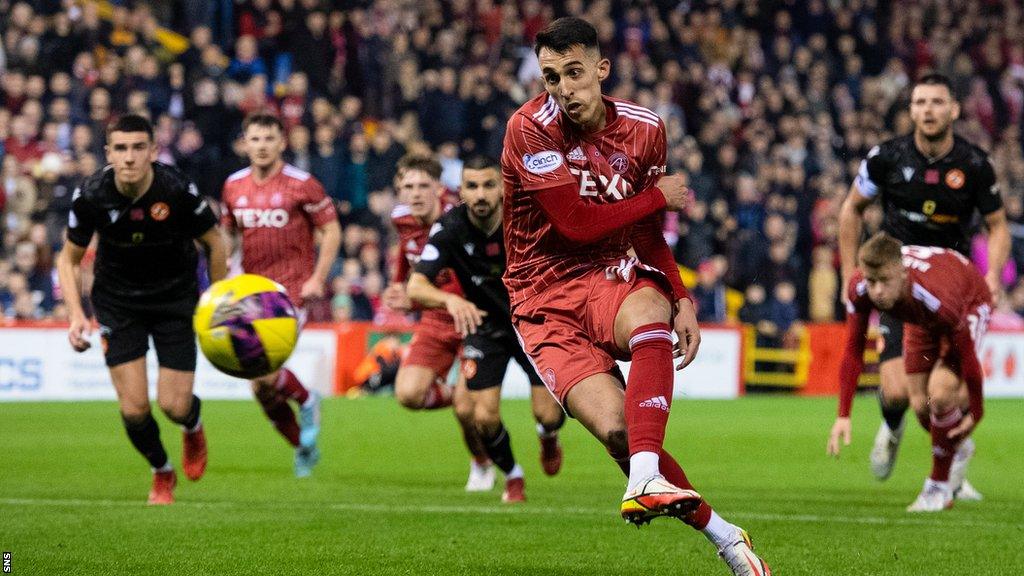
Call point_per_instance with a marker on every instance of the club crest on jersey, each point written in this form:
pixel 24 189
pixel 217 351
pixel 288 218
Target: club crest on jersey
pixel 242 202
pixel 275 200
pixel 955 179
pixel 542 162
pixel 577 155
pixel 619 162
pixel 159 211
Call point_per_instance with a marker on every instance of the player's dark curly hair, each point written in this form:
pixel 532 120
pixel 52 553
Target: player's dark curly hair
pixel 564 33
pixel 880 250
pixel 131 123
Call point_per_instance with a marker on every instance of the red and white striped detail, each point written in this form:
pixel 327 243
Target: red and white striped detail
pixel 948 419
pixel 638 113
pixel 650 335
pixel 548 112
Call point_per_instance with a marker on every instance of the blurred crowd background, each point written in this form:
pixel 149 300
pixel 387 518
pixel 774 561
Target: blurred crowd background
pixel 770 107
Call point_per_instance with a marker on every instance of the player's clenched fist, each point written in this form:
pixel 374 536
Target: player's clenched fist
pixel 677 195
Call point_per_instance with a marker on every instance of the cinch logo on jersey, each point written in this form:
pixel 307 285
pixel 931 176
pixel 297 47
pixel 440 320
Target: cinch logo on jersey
pixel 261 217
pixel 615 187
pixel 542 162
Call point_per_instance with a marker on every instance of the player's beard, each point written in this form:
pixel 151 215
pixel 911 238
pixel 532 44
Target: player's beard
pixel 483 210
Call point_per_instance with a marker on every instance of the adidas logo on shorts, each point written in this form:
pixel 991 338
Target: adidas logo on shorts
pixel 656 402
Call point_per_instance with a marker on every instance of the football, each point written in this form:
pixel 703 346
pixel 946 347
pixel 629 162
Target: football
pixel 246 325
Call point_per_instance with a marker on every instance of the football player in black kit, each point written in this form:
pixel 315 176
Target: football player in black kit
pixel 468 239
pixel 147 217
pixel 930 184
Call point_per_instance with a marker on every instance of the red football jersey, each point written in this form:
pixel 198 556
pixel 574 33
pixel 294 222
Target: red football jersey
pixel 412 237
pixel 277 219
pixel 543 150
pixel 944 294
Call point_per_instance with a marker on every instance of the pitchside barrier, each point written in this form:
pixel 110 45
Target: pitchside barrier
pixel 37 363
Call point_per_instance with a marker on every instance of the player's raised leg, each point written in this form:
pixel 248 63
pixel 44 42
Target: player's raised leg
pixel 597 402
pixel 129 380
pixel 273 392
pixel 641 326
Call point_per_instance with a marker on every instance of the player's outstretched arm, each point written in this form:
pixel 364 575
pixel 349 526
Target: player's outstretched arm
pixel 466 315
pixel 68 266
pixel 849 371
pixel 216 252
pixel 330 242
pixel 842 429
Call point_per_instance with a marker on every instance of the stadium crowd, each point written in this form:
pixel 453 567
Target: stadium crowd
pixel 769 108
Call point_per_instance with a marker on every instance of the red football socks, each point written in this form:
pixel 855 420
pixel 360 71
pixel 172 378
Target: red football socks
pixel 649 387
pixel 281 414
pixel 290 386
pixel 943 448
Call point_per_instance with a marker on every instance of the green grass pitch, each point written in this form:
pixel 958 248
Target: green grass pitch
pixel 387 497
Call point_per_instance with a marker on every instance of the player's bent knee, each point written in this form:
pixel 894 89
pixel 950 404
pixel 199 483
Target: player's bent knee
pixel 134 413
pixel 175 408
pixel 617 443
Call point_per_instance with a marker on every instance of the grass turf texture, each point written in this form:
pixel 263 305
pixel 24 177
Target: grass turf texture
pixel 387 497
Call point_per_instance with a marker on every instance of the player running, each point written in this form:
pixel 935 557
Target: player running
pixel 583 184
pixel 147 216
pixel 944 305
pixel 421 380
pixel 930 184
pixel 278 211
pixel 468 240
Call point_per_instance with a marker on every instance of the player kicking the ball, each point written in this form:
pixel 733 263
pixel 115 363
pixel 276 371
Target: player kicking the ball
pixel 468 239
pixel 945 305
pixel 583 184
pixel 147 216
pixel 278 211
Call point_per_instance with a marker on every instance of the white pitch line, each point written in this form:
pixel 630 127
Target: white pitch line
pixel 509 510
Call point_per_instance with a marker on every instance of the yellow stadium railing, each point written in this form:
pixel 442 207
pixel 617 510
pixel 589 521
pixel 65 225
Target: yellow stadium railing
pixel 788 367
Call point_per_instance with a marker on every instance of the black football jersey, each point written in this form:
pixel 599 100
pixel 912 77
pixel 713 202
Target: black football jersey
pixel 930 203
pixel 477 259
pixel 146 246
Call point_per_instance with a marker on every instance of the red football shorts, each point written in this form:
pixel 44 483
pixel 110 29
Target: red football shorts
pixel 923 349
pixel 568 330
pixel 435 343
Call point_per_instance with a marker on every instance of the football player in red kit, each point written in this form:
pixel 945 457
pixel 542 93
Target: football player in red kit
pixel 945 304
pixel 583 176
pixel 421 380
pixel 277 211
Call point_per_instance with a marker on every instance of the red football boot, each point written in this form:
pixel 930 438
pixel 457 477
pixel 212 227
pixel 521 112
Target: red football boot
pixel 193 458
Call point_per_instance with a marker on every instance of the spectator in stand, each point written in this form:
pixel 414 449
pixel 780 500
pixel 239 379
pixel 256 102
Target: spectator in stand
pixel 709 294
pixel 823 285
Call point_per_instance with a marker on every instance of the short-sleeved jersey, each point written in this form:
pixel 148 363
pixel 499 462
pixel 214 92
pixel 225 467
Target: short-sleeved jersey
pixel 477 258
pixel 277 220
pixel 930 203
pixel 544 150
pixel 146 246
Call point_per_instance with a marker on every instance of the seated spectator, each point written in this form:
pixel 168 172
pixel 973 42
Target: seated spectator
pixel 823 286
